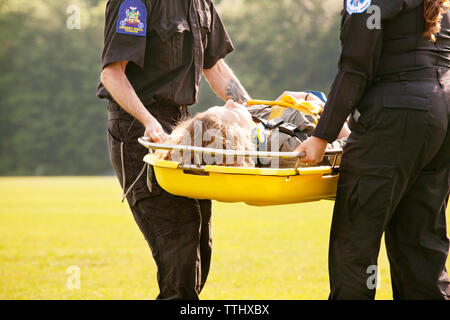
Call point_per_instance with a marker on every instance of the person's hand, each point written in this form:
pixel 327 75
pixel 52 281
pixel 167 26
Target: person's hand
pixel 155 132
pixel 314 148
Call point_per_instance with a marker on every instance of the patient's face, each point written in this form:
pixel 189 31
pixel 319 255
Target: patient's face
pixel 234 113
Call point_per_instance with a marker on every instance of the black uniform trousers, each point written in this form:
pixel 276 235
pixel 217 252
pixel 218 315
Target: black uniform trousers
pixel 395 179
pixel 177 229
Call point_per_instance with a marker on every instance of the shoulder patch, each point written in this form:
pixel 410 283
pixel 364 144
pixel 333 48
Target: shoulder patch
pixel 358 6
pixel 132 18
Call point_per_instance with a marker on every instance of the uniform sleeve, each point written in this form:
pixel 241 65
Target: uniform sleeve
pixel 219 42
pixel 361 51
pixel 120 44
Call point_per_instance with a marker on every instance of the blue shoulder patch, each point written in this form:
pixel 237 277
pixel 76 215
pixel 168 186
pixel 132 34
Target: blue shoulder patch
pixel 132 18
pixel 358 6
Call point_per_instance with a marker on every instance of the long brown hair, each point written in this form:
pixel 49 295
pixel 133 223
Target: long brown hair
pixel 434 10
pixel 223 135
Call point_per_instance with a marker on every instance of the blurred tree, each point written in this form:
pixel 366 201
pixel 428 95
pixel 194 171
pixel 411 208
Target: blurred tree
pixel 280 45
pixel 51 123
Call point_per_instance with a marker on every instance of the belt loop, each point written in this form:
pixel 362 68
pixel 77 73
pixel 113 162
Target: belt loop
pixel 439 77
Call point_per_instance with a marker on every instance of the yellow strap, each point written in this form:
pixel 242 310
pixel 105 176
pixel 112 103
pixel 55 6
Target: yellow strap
pixel 276 112
pixel 288 101
pixel 314 109
pixel 301 106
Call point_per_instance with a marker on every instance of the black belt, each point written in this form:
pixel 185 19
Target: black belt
pixel 115 112
pixel 435 74
pixel 114 115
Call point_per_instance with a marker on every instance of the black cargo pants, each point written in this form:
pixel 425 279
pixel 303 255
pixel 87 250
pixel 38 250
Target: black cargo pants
pixel 177 229
pixel 395 178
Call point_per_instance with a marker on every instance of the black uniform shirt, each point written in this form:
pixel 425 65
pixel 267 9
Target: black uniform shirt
pixel 367 53
pixel 168 45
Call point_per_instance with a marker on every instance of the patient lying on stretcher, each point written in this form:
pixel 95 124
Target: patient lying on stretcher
pixel 281 127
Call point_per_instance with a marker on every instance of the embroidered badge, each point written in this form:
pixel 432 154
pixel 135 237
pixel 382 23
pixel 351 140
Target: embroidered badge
pixel 358 6
pixel 132 18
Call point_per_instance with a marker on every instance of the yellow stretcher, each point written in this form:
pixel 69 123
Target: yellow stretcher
pixel 254 186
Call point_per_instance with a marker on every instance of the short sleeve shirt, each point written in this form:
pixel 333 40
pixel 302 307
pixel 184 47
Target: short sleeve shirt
pixel 168 43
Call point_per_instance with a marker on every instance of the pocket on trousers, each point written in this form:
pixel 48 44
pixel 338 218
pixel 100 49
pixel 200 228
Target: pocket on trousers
pixel 366 190
pixel 406 102
pixel 408 115
pixel 368 109
pixel 357 126
pixel 152 184
pixel 114 155
pixel 123 145
pixel 396 117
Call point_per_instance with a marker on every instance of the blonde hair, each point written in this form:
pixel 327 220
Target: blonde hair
pixel 219 135
pixel 434 10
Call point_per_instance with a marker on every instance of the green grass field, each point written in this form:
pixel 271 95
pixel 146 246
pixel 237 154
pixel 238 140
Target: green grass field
pixel 50 224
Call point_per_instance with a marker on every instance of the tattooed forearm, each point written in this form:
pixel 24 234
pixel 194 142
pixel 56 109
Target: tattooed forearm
pixel 236 92
pixel 225 84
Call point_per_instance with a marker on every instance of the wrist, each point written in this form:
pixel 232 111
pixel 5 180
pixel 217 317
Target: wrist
pixel 149 121
pixel 320 141
pixel 320 134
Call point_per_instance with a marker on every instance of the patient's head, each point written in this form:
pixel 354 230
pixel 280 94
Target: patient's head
pixel 233 113
pixel 226 128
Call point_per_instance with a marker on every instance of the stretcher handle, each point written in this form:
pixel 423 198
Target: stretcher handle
pixel 239 153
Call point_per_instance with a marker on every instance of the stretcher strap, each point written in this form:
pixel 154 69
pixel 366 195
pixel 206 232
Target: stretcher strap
pixel 301 106
pixel 288 102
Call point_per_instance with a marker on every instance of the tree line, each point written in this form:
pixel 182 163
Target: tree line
pixel 51 122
